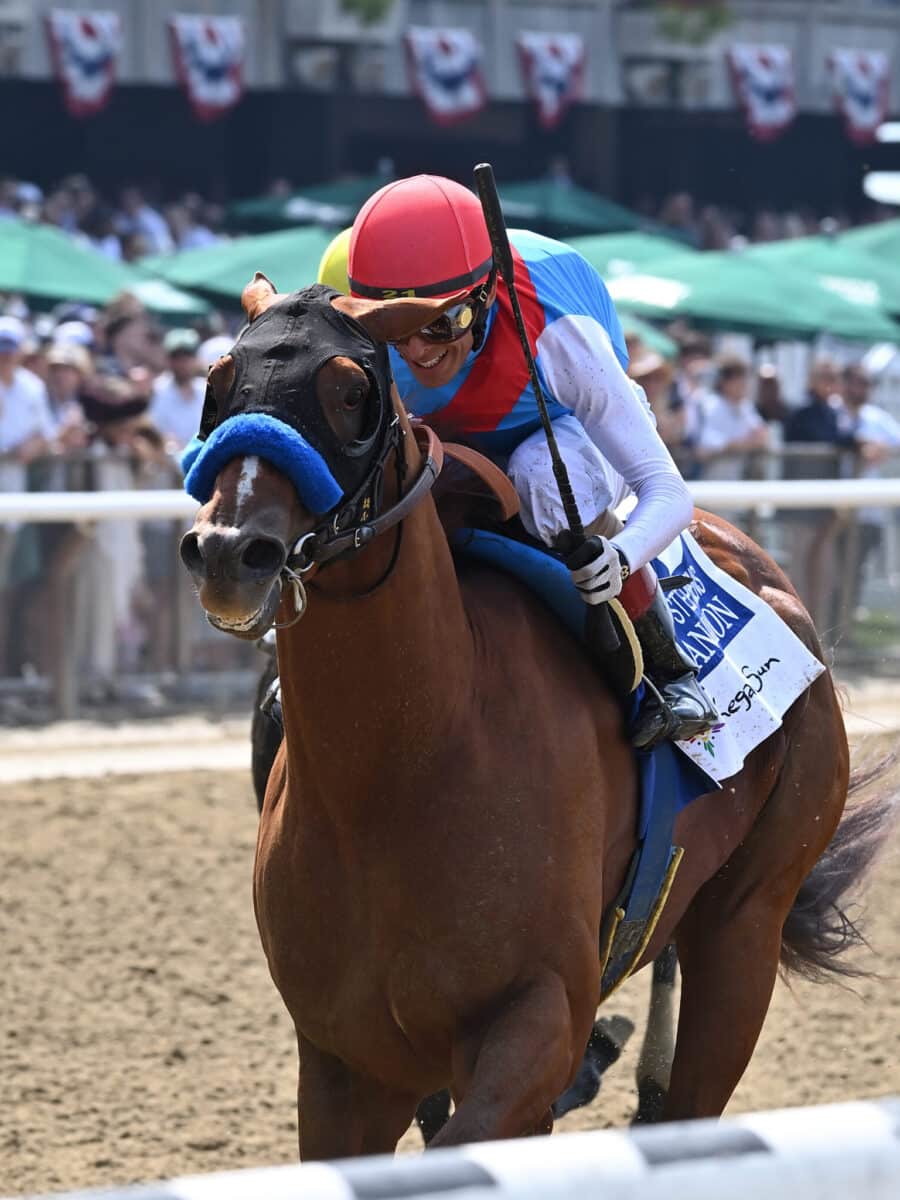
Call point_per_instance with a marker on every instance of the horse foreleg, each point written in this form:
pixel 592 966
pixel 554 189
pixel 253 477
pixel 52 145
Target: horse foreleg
pixel 654 1067
pixel 341 1113
pixel 506 1077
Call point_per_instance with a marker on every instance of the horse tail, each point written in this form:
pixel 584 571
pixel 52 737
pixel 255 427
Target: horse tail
pixel 818 930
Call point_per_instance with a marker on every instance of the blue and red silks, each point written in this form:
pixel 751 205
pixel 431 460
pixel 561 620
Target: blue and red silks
pixel 490 403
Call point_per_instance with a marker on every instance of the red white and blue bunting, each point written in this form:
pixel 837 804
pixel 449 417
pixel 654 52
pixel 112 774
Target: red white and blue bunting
pixel 763 80
pixel 445 72
pixel 862 84
pixel 553 71
pixel 84 47
pixel 209 61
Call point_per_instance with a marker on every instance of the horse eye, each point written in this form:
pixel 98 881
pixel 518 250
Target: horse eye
pixel 355 397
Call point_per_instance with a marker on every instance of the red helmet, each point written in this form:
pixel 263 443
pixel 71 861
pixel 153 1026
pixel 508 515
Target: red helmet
pixel 423 236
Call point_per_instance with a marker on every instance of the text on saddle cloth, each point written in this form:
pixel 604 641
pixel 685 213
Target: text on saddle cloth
pixel 751 664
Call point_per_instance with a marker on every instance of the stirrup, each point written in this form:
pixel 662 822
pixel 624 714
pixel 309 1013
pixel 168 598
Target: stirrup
pixel 659 718
pixel 654 722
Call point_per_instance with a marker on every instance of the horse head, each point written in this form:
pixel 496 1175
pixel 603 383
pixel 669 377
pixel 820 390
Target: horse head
pixel 300 424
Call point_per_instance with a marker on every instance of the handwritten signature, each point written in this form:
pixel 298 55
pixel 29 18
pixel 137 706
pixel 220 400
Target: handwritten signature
pixel 743 699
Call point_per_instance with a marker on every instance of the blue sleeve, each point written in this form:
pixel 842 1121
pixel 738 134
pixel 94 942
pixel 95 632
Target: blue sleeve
pixel 567 285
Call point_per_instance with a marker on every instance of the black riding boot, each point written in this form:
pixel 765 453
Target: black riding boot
pixel 682 708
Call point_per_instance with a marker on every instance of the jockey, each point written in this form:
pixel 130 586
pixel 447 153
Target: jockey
pixel 465 375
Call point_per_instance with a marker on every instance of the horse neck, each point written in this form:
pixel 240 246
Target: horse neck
pixel 364 676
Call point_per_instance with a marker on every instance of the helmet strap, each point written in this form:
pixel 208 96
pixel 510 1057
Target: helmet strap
pixel 480 325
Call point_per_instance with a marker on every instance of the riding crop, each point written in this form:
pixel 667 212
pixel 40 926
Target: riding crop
pixel 493 216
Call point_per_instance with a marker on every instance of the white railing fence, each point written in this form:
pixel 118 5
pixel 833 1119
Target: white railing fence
pixel 170 504
pixel 88 512
pixel 834 1152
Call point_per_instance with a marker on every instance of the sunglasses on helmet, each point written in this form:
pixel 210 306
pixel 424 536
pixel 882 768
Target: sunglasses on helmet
pixel 457 321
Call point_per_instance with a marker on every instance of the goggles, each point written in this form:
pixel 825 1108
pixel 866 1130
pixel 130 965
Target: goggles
pixel 457 321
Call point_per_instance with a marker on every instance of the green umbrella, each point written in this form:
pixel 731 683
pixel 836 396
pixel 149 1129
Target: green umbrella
pixel 332 204
pixel 738 291
pixel 163 298
pixel 290 258
pixel 544 205
pixel 624 253
pixel 841 268
pixel 881 239
pixel 47 265
pixel 562 210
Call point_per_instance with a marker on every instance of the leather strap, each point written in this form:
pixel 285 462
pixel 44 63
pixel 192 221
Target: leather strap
pixel 496 481
pixel 326 543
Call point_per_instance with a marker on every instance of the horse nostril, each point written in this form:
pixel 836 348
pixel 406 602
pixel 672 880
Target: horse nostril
pixel 191 554
pixel 263 556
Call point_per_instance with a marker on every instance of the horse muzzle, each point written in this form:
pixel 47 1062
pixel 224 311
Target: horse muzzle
pixel 237 575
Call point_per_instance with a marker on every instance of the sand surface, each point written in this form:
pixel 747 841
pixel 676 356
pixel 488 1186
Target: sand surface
pixel 141 1036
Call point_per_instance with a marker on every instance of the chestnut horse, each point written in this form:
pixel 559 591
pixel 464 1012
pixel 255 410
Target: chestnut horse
pixel 453 804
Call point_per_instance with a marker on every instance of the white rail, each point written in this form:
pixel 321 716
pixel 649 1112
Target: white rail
pixel 835 1152
pixel 51 507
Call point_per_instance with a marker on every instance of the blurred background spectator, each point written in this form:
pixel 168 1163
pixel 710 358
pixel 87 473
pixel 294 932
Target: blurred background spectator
pixel 876 435
pixel 731 431
pixel 177 398
pixel 654 374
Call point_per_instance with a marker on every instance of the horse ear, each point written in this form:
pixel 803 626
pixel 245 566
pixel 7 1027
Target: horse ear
pixel 256 297
pixel 221 376
pixel 394 320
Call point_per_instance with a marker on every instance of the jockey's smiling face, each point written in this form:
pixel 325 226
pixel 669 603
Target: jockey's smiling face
pixel 435 362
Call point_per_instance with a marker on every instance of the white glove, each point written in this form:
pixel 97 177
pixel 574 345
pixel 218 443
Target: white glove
pixel 599 578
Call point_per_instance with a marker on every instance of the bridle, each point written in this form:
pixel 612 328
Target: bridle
pixel 277 358
pixel 352 526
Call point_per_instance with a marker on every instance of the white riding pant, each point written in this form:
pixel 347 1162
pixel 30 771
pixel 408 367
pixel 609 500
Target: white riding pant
pixel 595 484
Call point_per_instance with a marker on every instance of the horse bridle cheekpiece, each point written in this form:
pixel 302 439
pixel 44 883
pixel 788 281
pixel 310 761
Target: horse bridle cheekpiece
pixel 271 410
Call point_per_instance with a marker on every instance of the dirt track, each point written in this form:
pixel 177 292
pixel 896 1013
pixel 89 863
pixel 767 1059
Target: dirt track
pixel 142 1037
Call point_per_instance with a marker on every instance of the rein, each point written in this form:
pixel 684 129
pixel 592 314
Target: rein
pixel 333 539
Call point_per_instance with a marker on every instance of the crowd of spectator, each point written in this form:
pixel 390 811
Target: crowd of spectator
pixel 94 400
pixel 103 399
pixel 722 227
pixel 133 224
pixel 128 227
pixel 724 418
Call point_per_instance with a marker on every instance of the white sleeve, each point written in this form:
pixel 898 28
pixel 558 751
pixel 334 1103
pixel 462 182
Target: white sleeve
pixel 583 374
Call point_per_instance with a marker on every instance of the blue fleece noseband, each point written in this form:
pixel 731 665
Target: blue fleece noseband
pixel 271 439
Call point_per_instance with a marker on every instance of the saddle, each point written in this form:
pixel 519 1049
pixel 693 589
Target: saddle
pixel 471 486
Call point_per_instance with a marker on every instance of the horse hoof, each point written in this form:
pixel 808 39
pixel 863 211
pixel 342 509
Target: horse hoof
pixel 614 1031
pixel 581 1092
pixel 651 1101
pixel 605 1044
pixel 433 1114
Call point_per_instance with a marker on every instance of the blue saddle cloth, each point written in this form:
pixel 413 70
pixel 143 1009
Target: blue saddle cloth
pixel 667 779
